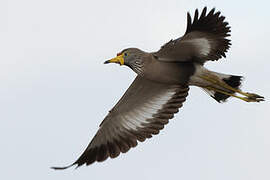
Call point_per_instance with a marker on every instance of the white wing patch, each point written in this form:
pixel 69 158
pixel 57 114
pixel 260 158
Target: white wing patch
pixel 202 44
pixel 136 117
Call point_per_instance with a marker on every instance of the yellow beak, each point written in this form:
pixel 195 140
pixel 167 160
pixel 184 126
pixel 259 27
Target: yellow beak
pixel 118 59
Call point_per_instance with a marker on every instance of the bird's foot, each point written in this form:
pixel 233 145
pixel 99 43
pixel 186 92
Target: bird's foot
pixel 252 97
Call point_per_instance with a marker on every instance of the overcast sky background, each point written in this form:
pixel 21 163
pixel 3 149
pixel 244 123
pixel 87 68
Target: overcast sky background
pixel 55 90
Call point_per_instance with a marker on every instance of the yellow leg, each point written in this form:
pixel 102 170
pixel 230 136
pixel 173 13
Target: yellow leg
pixel 249 97
pixel 233 95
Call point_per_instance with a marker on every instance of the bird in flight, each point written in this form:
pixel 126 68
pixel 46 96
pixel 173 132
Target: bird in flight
pixel 162 84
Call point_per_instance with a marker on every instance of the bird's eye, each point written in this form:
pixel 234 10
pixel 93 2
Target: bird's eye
pixel 125 54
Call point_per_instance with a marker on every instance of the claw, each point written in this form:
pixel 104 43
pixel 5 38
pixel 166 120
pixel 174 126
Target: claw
pixel 255 97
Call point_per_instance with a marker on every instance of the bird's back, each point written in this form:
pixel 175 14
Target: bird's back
pixel 168 72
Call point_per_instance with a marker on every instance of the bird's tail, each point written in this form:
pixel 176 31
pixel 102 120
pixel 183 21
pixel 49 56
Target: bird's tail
pixel 222 86
pixel 230 80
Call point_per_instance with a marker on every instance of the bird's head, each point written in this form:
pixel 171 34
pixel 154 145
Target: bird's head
pixel 131 57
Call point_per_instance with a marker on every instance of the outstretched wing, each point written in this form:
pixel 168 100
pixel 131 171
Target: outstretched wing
pixel 205 39
pixel 142 112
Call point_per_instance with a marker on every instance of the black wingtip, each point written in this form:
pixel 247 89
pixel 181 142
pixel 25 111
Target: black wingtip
pixel 189 21
pixel 211 12
pixel 196 16
pixel 62 168
pixel 203 12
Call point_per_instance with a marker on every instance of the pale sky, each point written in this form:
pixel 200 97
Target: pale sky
pixel 55 90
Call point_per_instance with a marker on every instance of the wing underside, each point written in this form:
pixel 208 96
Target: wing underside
pixel 142 112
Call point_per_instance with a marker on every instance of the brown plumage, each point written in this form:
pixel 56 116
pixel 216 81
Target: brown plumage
pixel 162 85
pixel 209 26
